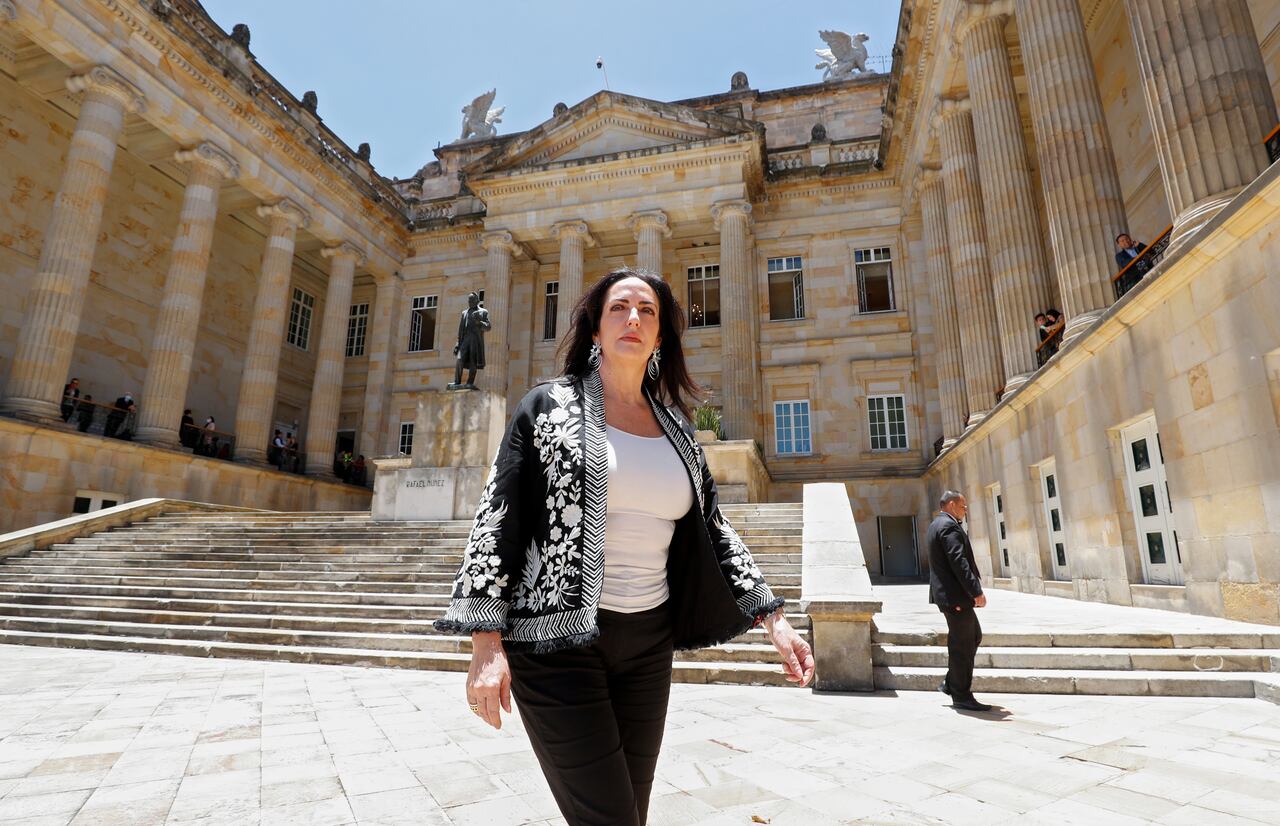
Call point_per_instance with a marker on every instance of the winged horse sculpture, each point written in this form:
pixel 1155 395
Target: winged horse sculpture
pixel 846 54
pixel 477 120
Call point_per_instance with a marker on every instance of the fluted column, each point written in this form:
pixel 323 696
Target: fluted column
pixel 326 386
pixel 500 247
pixel 173 341
pixel 373 423
pixel 8 11
pixel 256 406
pixel 56 298
pixel 933 209
pixel 739 377
pixel 649 228
pixel 574 236
pixel 1209 100
pixel 1019 268
pixel 970 263
pixel 1082 193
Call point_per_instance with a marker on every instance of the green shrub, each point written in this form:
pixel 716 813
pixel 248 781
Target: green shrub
pixel 707 417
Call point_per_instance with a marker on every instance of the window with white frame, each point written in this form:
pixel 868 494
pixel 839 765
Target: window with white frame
pixel 301 309
pixel 875 279
pixel 704 296
pixel 422 323
pixel 550 308
pixel 887 422
pixel 357 325
pixel 406 438
pixel 786 288
pixel 791 428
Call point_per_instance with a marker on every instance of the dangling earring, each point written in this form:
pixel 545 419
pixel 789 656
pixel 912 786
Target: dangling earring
pixel 652 369
pixel 593 358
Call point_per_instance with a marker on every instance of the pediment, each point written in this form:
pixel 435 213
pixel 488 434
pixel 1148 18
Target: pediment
pixel 607 125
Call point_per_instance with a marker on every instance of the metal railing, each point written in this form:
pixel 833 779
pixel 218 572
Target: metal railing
pixel 1048 348
pixel 1138 268
pixel 99 419
pixel 1272 142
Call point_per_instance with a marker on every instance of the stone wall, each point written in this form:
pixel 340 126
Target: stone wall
pixel 44 467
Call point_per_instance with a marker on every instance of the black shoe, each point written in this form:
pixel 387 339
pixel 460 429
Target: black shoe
pixel 944 688
pixel 970 704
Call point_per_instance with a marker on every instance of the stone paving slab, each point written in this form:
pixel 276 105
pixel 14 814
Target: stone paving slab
pixel 110 738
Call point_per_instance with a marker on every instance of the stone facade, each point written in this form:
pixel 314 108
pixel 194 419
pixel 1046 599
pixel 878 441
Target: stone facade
pixel 860 260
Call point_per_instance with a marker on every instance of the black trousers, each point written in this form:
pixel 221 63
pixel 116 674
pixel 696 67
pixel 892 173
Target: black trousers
pixel 963 636
pixel 595 716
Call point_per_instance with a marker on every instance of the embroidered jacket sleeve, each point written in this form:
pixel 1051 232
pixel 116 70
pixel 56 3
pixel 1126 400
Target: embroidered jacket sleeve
pixel 750 591
pixel 491 565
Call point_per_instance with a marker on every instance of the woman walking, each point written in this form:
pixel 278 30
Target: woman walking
pixel 598 548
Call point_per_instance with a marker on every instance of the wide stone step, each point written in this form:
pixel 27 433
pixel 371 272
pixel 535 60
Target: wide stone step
pixel 1093 659
pixel 1088 639
pixel 204 542
pixel 63 600
pixel 129 556
pixel 263 595
pixel 197 569
pixel 228 583
pixel 1034 681
pixel 251 562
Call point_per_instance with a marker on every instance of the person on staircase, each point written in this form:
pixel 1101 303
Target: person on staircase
pixel 955 587
pixel 598 548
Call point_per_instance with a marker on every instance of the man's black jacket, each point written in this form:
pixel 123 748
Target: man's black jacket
pixel 953 573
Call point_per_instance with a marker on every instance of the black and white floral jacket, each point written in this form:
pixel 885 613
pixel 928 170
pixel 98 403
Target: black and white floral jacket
pixel 534 564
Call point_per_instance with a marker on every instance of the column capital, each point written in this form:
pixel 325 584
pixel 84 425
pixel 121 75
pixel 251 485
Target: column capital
pixel 499 239
pixel 974 12
pixel 952 105
pixel 649 218
pixel 724 209
pixel 577 227
pixel 285 209
pixel 930 174
pixel 212 155
pixel 107 81
pixel 8 11
pixel 346 249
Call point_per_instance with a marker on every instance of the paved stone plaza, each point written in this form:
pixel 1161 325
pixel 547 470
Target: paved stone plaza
pixel 118 738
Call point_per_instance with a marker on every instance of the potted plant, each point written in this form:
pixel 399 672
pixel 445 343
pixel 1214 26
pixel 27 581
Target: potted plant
pixel 706 423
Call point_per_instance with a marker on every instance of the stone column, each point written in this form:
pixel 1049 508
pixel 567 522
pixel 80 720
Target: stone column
pixel 574 236
pixel 373 426
pixel 739 377
pixel 326 386
pixel 1018 264
pixel 1077 167
pixel 970 263
pixel 56 299
pixel 174 339
pixel 933 209
pixel 649 228
pixel 500 247
pixel 256 406
pixel 1208 98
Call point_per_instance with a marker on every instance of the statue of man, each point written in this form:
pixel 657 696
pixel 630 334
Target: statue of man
pixel 470 347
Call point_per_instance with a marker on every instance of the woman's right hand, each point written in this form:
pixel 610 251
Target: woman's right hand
pixel 489 679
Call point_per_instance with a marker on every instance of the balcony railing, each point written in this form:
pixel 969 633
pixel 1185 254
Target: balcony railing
pixel 1272 143
pixel 1136 269
pixel 109 421
pixel 1049 347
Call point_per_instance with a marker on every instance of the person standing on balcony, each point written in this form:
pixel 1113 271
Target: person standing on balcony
pixel 598 548
pixel 1127 250
pixel 70 398
pixel 955 587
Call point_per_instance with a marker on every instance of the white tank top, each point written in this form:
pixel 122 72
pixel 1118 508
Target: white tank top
pixel 649 490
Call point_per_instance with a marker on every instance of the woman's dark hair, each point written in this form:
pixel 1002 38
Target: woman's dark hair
pixel 674 385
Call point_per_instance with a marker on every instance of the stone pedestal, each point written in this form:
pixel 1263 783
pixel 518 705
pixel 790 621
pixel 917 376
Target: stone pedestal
pixel 455 437
pixel 738 469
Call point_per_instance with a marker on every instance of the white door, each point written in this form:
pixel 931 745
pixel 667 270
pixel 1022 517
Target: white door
pixel 1152 510
pixel 999 535
pixel 1053 519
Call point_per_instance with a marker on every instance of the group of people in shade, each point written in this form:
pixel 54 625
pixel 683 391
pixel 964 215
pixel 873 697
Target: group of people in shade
pixel 121 422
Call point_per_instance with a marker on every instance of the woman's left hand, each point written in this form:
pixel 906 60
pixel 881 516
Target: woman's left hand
pixel 797 656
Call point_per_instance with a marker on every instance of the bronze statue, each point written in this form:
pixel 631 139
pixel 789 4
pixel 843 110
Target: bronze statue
pixel 470 347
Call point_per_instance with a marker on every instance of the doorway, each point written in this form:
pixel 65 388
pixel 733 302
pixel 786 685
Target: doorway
pixel 1152 507
pixel 898 546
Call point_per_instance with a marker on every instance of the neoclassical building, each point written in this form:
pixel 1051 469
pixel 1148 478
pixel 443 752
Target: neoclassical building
pixel 861 260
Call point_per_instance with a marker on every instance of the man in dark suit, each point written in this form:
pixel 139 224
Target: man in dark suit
pixel 1127 250
pixel 955 587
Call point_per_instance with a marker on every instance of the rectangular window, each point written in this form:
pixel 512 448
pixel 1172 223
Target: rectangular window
pixel 786 288
pixel 422 323
pixel 357 324
pixel 550 308
pixel 704 296
pixel 300 312
pixel 887 422
pixel 791 428
pixel 875 280
pixel 406 438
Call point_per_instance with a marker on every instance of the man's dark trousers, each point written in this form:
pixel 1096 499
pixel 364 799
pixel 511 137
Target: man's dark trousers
pixel 964 634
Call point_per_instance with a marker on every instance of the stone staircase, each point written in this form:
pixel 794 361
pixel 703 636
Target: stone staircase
pixel 312 587
pixel 1225 664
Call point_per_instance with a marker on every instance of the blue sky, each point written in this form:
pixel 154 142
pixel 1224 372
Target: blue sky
pixel 396 73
